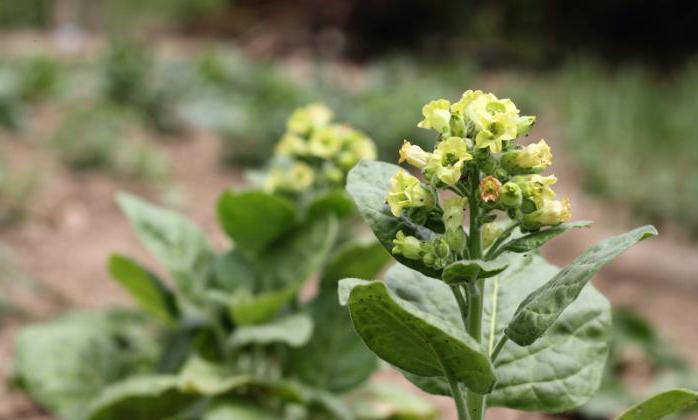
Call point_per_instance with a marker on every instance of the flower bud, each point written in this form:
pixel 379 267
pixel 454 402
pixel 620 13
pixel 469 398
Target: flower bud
pixel 490 189
pixel 511 195
pixel 291 145
pixel 454 208
pixel 414 155
pixel 524 124
pixel 553 212
pixel 296 179
pixel 437 116
pixel 490 233
pixel 456 239
pixel 408 246
pixel 406 192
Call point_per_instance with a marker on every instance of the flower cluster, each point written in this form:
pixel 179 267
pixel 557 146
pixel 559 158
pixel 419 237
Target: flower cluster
pixel 477 159
pixel 315 152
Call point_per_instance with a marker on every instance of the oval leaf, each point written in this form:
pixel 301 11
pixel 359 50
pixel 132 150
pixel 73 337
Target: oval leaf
pixel 466 271
pixel 417 341
pixel 660 405
pixel 368 183
pixel 541 308
pixel 145 288
pixel 293 330
pixel 255 219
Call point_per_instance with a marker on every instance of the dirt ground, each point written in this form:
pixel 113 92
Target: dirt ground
pixel 74 225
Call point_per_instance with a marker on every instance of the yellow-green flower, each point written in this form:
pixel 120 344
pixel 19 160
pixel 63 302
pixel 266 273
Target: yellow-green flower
pixel 552 212
pixel 495 121
pixel 325 143
pixel 535 156
pixel 536 188
pixel 310 117
pixel 466 99
pixel 408 246
pixel 454 209
pixel 446 163
pixel 407 192
pixel 437 116
pixel 291 145
pixel 524 124
pixel 355 146
pixel 414 155
pixel 296 179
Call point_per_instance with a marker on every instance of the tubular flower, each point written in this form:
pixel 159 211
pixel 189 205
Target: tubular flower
pixel 494 119
pixel 437 116
pixel 408 246
pixel 355 146
pixel 490 188
pixel 466 99
pixel 446 163
pixel 454 209
pixel 414 155
pixel 295 179
pixel 553 212
pixel 536 156
pixel 524 125
pixel 291 145
pixel 308 118
pixel 325 143
pixel 406 192
pixel 536 188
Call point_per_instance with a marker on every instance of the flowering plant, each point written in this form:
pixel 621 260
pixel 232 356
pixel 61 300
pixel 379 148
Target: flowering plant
pixel 475 312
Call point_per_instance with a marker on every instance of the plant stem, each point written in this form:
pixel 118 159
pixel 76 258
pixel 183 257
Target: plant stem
pixel 476 402
pixel 498 348
pixel 462 304
pixel 458 398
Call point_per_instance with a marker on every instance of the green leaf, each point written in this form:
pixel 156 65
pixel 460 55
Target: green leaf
pixel 383 401
pixel 354 259
pixel 145 288
pixel 335 202
pixel 246 308
pixel 293 330
pixel 335 358
pixel 541 308
pixel 237 410
pixel 201 377
pixel 661 405
pixel 368 184
pixel 563 369
pixel 535 240
pixel 174 240
pixel 63 364
pixel 417 341
pixel 144 397
pixel 465 271
pixel 255 219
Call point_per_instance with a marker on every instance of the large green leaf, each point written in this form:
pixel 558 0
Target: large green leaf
pixel 174 240
pixel 145 288
pixel 335 358
pixel 559 372
pixel 144 397
pixel 354 259
pixel 246 308
pixel 564 368
pixel 416 341
pixel 535 240
pixel 660 405
pixel 255 219
pixel 368 183
pixel 293 330
pixel 542 307
pixel 63 364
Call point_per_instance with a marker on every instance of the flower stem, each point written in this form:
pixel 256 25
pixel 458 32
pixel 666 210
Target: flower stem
pixel 458 398
pixel 462 304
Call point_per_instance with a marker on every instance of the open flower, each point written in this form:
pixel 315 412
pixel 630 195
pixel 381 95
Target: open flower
pixel 536 156
pixel 414 155
pixel 354 145
pixel 325 143
pixel 407 192
pixel 308 118
pixel 460 107
pixel 437 116
pixel 291 145
pixel 536 188
pixel 297 178
pixel 446 163
pixel 495 120
pixel 490 189
pixel 552 212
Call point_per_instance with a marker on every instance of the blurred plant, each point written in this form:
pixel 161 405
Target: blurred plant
pixel 636 349
pixel 17 188
pixel 11 106
pixel 233 335
pixel 41 76
pixel 101 137
pixel 445 318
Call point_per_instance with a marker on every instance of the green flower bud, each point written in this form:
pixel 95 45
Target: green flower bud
pixel 490 233
pixel 408 246
pixel 456 239
pixel 454 208
pixel 524 124
pixel 511 195
pixel 406 192
pixel 437 116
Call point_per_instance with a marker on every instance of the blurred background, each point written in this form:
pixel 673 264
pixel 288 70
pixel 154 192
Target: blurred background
pixel 173 99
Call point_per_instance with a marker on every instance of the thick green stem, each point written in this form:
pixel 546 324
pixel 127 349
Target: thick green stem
pixel 458 398
pixel 476 402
